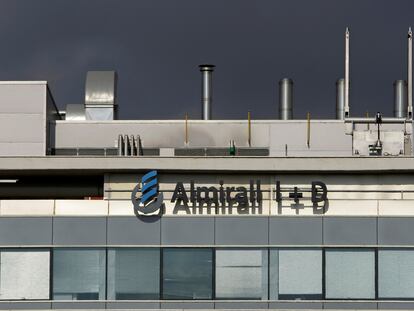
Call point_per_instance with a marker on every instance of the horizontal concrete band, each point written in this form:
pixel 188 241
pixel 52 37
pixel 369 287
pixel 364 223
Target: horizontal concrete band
pixel 28 208
pixel 207 305
pixel 224 164
pixel 207 231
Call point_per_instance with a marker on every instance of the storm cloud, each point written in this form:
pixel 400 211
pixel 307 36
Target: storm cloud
pixel 156 47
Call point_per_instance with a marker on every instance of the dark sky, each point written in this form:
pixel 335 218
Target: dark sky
pixel 156 47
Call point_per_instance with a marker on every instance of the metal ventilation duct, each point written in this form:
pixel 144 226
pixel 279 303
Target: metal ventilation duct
pixel 100 95
pixel 75 112
pixel 286 99
pixel 206 90
pixel 340 99
pixel 400 99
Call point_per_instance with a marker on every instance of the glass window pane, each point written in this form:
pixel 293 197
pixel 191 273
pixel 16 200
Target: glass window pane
pixel 241 274
pixel 296 274
pixel 396 273
pixel 24 274
pixel 79 274
pixel 350 273
pixel 187 273
pixel 133 273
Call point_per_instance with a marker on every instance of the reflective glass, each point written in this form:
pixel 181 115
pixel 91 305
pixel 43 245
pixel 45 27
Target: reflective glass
pixel 350 273
pixel 187 273
pixel 396 273
pixel 79 274
pixel 133 273
pixel 241 274
pixel 24 274
pixel 295 274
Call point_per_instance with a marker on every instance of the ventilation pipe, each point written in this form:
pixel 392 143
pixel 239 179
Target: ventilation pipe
pixel 206 90
pixel 400 99
pixel 100 95
pixel 340 99
pixel 285 99
pixel 346 86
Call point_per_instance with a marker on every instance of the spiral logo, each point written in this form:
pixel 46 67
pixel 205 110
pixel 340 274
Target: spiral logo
pixel 150 201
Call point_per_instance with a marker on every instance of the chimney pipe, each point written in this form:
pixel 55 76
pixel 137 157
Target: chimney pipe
pixel 340 99
pixel 400 99
pixel 346 86
pixel 206 90
pixel 285 99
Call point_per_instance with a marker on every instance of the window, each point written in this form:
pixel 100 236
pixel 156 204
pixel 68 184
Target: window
pixel 78 274
pixel 134 274
pixel 24 274
pixel 241 274
pixel 295 274
pixel 350 273
pixel 187 273
pixel 396 273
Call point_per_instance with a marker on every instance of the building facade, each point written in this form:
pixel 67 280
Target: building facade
pixel 99 213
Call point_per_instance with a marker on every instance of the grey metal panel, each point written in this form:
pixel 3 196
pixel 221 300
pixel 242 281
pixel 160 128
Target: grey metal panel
pixel 369 305
pixel 78 305
pixel 350 230
pixel 133 305
pixel 25 231
pixel 187 305
pixel 134 231
pixel 240 305
pixel 295 230
pixel 79 230
pixel 394 305
pixel 241 230
pixel 187 230
pixel 23 305
pixel 295 305
pixel 396 230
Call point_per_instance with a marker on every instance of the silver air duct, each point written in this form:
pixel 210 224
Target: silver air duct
pixel 400 99
pixel 100 95
pixel 206 90
pixel 340 99
pixel 285 99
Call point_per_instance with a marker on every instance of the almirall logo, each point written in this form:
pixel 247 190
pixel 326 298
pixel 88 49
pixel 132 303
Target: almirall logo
pixel 150 201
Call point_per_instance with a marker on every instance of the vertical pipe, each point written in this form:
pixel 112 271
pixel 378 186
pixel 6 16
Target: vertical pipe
pixel 186 129
pixel 308 130
pixel 206 90
pixel 286 99
pixel 346 87
pixel 120 145
pixel 410 74
pixel 126 145
pixel 400 99
pixel 340 104
pixel 249 129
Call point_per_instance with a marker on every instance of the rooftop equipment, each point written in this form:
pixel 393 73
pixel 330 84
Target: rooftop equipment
pixel 410 74
pixel 206 90
pixel 75 112
pixel 286 99
pixel 346 86
pixel 100 95
pixel 340 103
pixel 400 99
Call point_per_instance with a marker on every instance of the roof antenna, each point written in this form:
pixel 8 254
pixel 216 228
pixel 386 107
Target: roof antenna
pixel 346 86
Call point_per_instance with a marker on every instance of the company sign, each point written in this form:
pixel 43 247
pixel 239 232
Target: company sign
pixel 196 199
pixel 150 201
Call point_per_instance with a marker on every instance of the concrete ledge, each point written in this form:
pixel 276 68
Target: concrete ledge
pixel 26 207
pixel 81 207
pixel 81 165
